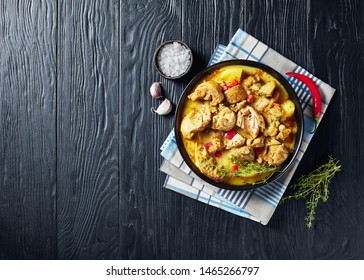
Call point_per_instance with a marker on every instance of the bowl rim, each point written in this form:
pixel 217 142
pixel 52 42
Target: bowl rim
pixel 298 115
pixel 155 56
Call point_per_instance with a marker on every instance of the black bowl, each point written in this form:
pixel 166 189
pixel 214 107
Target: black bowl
pixel 298 116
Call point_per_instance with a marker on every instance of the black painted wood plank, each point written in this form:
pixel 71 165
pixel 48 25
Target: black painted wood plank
pixel 282 25
pixel 28 134
pixel 148 213
pixel 79 150
pixel 338 56
pixel 87 128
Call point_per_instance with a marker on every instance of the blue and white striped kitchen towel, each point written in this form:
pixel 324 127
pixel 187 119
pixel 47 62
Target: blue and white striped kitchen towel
pixel 260 204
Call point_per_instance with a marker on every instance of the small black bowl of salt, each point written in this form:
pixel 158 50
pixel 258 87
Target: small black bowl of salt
pixel 173 59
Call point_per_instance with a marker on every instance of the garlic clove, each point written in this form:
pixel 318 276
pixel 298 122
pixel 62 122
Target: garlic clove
pixel 156 90
pixel 164 108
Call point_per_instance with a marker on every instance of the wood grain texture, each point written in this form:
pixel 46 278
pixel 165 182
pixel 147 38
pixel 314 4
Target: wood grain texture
pixel 87 128
pixel 144 205
pixel 79 151
pixel 27 121
pixel 338 55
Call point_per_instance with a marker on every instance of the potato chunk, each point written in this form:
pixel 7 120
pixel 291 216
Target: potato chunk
pixel 267 89
pixel 288 108
pixel 231 73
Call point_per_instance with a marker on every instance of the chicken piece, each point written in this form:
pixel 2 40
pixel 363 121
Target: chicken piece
pixel 235 94
pixel 250 121
pixel 277 154
pixel 267 89
pixel 207 164
pixel 276 96
pixel 271 141
pixel 260 154
pixel 201 153
pixel 195 121
pixel 261 103
pixel 236 107
pixel 272 124
pixel 244 153
pixel 276 112
pixel 250 81
pixel 208 91
pixel 235 142
pixel 217 142
pixel 224 120
pixel 256 87
pixel 271 130
pixel 213 109
pixel 256 143
pixel 283 132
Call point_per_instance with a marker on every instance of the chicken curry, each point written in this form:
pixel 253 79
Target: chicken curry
pixel 238 125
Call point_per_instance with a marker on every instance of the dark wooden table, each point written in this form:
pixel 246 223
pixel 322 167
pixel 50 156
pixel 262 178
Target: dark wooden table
pixel 79 148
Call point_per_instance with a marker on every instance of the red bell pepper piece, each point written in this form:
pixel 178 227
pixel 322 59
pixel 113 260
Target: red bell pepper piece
pixel 258 151
pixel 207 145
pixel 250 98
pixel 218 154
pixel 230 134
pixel 234 168
pixel 233 83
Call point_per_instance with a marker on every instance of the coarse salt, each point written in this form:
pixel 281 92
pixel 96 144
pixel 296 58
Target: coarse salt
pixel 173 59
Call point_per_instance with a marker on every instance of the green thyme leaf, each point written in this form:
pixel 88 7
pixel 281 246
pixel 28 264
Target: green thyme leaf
pixel 250 168
pixel 222 171
pixel 314 186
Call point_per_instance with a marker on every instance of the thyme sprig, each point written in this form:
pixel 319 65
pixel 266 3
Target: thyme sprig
pixel 315 186
pixel 250 168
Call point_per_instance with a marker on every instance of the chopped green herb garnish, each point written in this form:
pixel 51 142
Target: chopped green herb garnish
pixel 209 162
pixel 249 168
pixel 222 171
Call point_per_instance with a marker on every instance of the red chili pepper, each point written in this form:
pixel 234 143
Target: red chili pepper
pixel 234 168
pixel 218 154
pixel 224 88
pixel 316 97
pixel 250 98
pixel 230 134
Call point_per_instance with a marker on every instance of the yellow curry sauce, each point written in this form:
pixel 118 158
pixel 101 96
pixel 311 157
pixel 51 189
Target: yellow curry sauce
pixel 238 125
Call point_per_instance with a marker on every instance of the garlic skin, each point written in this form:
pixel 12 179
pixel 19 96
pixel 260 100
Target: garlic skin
pixel 164 108
pixel 156 90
